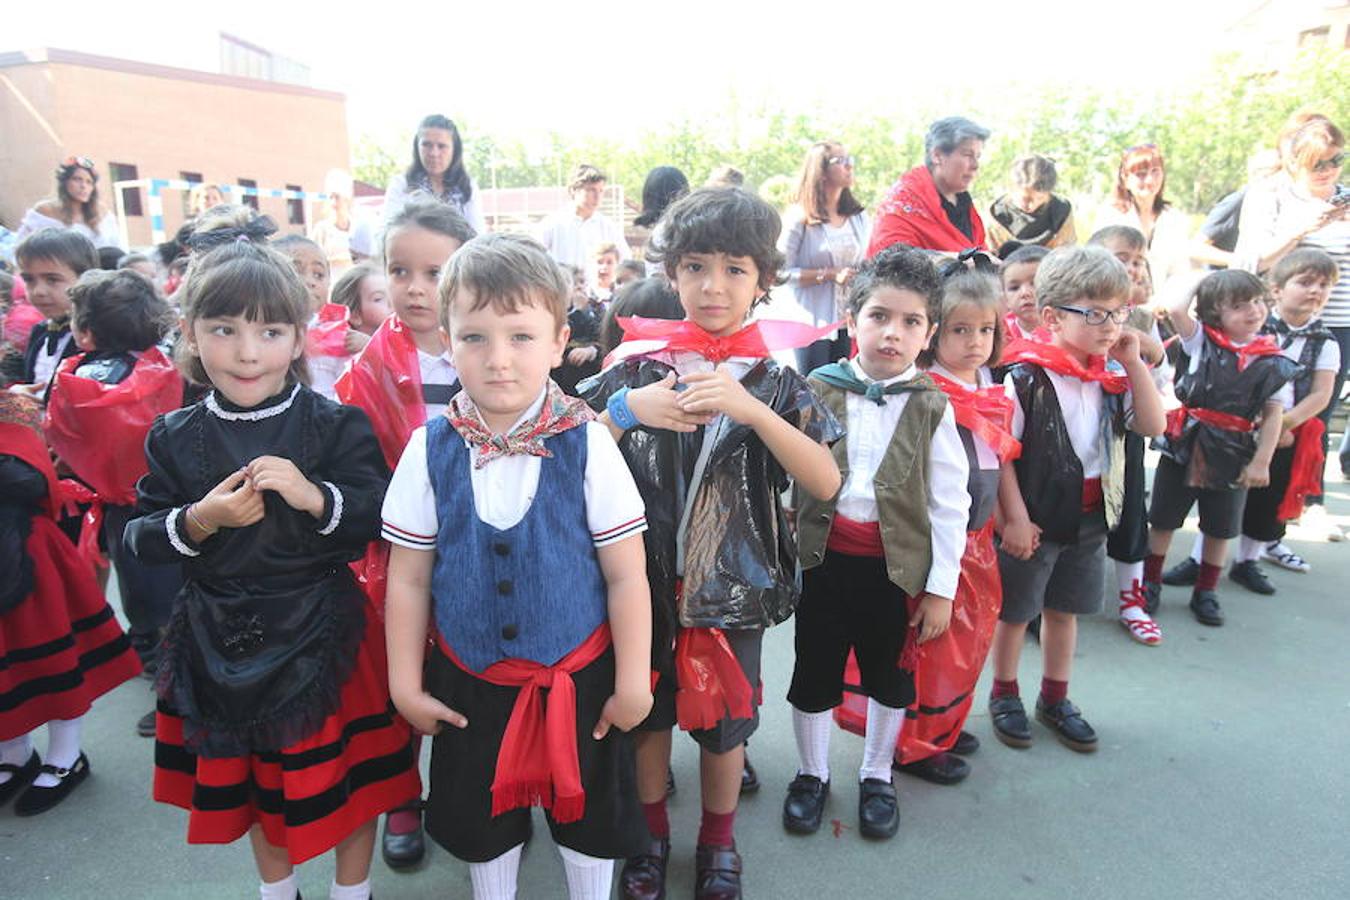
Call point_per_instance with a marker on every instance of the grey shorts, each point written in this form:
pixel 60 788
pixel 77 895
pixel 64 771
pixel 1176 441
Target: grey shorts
pixel 1220 508
pixel 728 734
pixel 1063 577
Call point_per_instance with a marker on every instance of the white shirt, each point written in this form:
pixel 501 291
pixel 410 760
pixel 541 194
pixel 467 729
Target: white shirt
pixel 1168 249
pixel 1080 403
pixel 573 240
pixel 396 197
pixel 1328 359
pixel 504 489
pixel 1284 396
pixel 45 364
pixel 436 370
pixel 870 429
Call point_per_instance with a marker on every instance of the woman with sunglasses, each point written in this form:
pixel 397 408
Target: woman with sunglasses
pixel 1139 203
pixel 75 206
pixel 824 238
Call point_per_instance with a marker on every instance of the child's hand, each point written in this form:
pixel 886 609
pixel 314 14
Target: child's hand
pixel 1021 538
pixel 623 711
pixel 657 406
pixel 274 473
pixel 932 617
pixel 234 503
pixel 719 392
pixel 579 356
pixel 28 390
pixel 427 714
pixel 1126 348
pixel 1255 474
pixel 355 341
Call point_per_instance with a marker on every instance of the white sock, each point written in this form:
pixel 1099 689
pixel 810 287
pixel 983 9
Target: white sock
pixel 496 878
pixel 883 727
pixel 349 891
pixel 15 753
pixel 813 741
pixel 588 877
pixel 1128 574
pixel 1249 549
pixel 63 748
pixel 285 889
pixel 1198 549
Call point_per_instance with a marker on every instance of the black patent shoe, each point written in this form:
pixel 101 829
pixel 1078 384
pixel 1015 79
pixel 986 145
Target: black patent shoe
pixel 1249 575
pixel 966 744
pixel 1068 724
pixel 19 776
pixel 1183 574
pixel 749 778
pixel 644 877
pixel 1205 606
pixel 717 873
pixel 40 799
pixel 804 807
pixel 403 850
pixel 1152 597
pixel 878 811
pixel 1009 718
pixel 940 768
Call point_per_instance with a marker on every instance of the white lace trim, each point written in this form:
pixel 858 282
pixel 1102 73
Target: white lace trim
pixel 337 509
pixel 171 526
pixel 249 415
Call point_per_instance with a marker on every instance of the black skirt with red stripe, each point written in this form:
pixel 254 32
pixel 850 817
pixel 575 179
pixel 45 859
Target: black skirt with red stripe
pixel 312 794
pixel 61 647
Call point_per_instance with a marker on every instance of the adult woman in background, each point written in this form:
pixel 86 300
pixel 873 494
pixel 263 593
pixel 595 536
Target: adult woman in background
pixel 1139 203
pixel 76 206
pixel 1031 213
pixel 437 168
pixel 202 197
pixel 824 238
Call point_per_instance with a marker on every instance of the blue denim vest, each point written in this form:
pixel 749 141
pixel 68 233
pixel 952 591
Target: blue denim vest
pixel 534 591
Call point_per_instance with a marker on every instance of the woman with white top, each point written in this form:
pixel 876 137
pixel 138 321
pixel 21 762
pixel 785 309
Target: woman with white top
pixel 825 235
pixel 75 206
pixel 1139 203
pixel 437 169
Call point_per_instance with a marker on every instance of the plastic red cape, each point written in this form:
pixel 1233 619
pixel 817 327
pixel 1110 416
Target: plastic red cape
pixel 99 431
pixel 328 335
pixel 948 666
pixel 20 321
pixel 912 214
pixel 385 381
pixel 1305 476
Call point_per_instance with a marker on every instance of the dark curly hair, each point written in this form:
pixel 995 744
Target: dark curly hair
pixel 720 220
pixel 121 310
pixel 1230 287
pixel 901 267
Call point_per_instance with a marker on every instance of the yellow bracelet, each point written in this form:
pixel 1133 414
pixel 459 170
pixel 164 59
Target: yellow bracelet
pixel 192 514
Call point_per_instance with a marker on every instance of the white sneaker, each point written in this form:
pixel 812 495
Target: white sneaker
pixel 1317 524
pixel 1277 553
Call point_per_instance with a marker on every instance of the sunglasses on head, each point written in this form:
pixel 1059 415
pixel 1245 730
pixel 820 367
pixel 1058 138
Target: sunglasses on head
pixel 83 162
pixel 1335 162
pixel 841 160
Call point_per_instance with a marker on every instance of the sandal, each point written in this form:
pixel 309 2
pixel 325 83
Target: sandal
pixel 1135 619
pixel 1282 556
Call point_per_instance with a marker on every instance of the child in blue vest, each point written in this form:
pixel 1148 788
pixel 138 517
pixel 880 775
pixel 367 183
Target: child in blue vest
pixel 516 534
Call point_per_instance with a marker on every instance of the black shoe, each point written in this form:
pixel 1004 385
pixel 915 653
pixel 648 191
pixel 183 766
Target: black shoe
pixel 1009 718
pixel 1152 597
pixel 1064 719
pixel 40 799
pixel 403 851
pixel 966 744
pixel 1183 574
pixel 749 778
pixel 940 768
pixel 19 776
pixel 1249 575
pixel 145 725
pixel 717 873
pixel 644 877
pixel 1034 629
pixel 1205 605
pixel 878 813
pixel 805 804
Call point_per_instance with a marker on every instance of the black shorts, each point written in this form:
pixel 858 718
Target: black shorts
pixel 1220 508
pixel 747 645
pixel 1260 517
pixel 464 762
pixel 849 603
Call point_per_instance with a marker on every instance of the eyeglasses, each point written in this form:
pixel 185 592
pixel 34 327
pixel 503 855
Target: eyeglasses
pixel 1322 165
pixel 1096 316
pixel 83 162
pixel 841 161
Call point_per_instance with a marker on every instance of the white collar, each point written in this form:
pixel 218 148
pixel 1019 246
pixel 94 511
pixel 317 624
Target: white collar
pixel 249 415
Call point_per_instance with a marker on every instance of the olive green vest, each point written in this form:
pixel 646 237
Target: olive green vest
pixel 900 482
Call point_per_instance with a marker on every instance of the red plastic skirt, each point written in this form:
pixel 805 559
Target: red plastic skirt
pixel 949 666
pixel 61 648
pixel 314 793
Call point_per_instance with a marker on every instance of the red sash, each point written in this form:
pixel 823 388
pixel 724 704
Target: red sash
pixel 537 763
pixel 855 538
pixel 1092 496
pixel 1305 475
pixel 1058 360
pixel 1264 345
pixel 1176 420
pixel 712 684
pixel 758 339
pixel 385 380
pixel 986 413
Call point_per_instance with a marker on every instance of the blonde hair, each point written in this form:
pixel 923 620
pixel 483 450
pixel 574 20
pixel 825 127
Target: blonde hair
pixel 1070 274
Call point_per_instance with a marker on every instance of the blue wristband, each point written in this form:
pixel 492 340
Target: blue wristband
pixel 619 412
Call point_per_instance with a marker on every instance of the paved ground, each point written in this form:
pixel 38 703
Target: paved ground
pixel 1222 774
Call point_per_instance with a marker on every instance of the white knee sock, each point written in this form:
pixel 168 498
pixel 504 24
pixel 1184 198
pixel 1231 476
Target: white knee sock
pixel 285 889
pixel 349 891
pixel 63 748
pixel 496 878
pixel 1249 549
pixel 883 727
pixel 15 753
pixel 813 741
pixel 588 877
pixel 1198 548
pixel 1127 574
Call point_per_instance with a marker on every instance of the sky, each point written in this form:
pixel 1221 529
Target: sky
pixel 600 67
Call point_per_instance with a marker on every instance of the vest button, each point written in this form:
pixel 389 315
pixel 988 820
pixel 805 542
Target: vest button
pixel 501 549
pixel 509 632
pixel 504 586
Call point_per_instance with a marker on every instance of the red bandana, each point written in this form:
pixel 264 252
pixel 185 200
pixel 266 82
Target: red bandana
pixel 559 413
pixel 643 337
pixel 1264 345
pixel 1056 359
pixel 986 413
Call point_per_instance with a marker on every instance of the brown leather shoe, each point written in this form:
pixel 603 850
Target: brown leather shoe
pixel 718 873
pixel 644 877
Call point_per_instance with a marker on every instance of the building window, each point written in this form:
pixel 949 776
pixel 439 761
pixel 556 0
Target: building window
pixel 248 199
pixel 295 208
pixel 191 178
pixel 1315 37
pixel 131 197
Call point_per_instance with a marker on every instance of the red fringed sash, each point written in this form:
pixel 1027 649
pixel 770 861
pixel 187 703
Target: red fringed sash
pixel 1305 476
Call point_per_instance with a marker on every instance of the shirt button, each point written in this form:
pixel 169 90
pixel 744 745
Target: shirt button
pixel 509 632
pixel 504 586
pixel 501 549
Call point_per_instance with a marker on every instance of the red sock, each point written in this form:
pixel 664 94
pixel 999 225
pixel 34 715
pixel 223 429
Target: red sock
pixel 1004 689
pixel 1208 579
pixel 658 823
pixel 1053 691
pixel 1153 566
pixel 717 829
